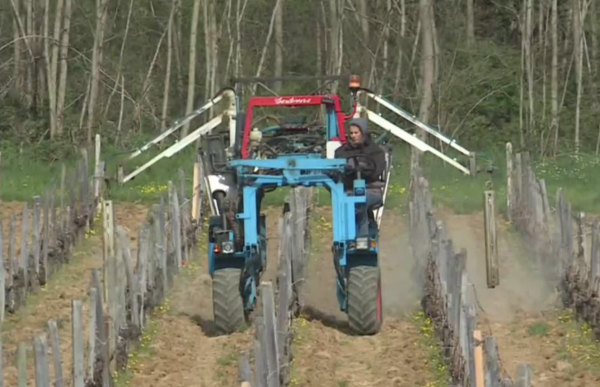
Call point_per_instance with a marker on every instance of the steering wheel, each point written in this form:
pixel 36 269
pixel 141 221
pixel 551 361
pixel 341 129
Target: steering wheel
pixel 362 168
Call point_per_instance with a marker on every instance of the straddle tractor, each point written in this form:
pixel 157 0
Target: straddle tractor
pixel 243 163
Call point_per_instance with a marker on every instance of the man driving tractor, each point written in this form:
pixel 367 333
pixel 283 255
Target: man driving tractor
pixel 359 144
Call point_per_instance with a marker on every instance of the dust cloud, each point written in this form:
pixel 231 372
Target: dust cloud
pixel 523 287
pixel 400 291
pixel 400 288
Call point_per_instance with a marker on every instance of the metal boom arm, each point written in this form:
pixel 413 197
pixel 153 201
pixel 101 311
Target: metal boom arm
pixel 411 139
pixel 173 149
pixel 228 93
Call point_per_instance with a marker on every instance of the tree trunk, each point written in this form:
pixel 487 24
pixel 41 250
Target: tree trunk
pixel 120 65
pixel 238 38
pixel 31 65
pixel 386 44
pixel 427 64
pixel 436 48
pixel 208 47
pixel 41 73
pixel 53 74
pixel 263 55
pixel 58 19
pixel 367 62
pixel 101 14
pixel 49 71
pixel 18 50
pixel 318 42
pixel 166 93
pixel 334 36
pixel 529 65
pixel 594 59
pixel 578 50
pixel 64 53
pixel 470 24
pixel 336 45
pixel 399 67
pixel 278 70
pixel 215 31
pixel 543 43
pixel 177 46
pixel 192 66
pixel 230 37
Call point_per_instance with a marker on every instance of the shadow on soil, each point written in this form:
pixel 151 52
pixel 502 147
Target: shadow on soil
pixel 207 325
pixel 327 319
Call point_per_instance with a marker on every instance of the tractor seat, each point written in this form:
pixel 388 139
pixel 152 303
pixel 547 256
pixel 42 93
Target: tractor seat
pixel 376 207
pixel 376 184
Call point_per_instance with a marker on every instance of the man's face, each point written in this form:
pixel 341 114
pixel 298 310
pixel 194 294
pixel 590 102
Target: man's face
pixel 356 136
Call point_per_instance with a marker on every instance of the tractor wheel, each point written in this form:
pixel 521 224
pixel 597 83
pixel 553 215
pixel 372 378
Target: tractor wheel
pixel 364 300
pixel 228 307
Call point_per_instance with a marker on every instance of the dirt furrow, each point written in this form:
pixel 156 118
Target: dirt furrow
pixel 54 301
pixel 522 312
pixel 183 349
pixel 326 354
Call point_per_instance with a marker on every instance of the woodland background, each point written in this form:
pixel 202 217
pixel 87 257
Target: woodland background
pixel 485 71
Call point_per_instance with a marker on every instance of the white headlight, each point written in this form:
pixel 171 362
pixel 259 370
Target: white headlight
pixel 227 247
pixel 362 243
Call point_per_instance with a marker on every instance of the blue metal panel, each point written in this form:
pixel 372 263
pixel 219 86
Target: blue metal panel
pixel 211 258
pixel 332 123
pixel 296 171
pixel 250 217
pixel 292 163
pixel 344 213
pixel 339 215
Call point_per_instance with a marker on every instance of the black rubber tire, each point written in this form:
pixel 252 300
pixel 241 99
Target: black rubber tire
pixel 228 307
pixel 365 316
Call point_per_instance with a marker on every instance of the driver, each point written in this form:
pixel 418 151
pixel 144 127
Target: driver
pixel 360 143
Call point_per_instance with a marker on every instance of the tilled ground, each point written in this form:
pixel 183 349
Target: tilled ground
pixel 54 301
pixel 522 312
pixel 326 354
pixel 184 350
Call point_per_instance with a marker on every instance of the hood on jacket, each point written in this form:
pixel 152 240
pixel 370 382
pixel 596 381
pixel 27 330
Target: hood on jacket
pixel 363 125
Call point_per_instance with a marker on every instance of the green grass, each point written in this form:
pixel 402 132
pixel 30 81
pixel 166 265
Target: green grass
pixel 24 176
pixel 579 348
pixel 436 361
pixel 464 194
pixel 538 329
pixel 143 352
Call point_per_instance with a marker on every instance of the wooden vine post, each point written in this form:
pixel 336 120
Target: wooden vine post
pixel 491 240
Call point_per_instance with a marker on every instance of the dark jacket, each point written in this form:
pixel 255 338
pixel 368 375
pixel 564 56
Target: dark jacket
pixel 367 148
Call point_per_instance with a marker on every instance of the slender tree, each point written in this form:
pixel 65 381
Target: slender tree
pixel 192 65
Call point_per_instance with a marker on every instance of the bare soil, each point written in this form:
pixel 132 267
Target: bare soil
pixel 521 312
pixel 185 350
pixel 558 353
pixel 54 301
pixel 9 208
pixel 6 210
pixel 326 354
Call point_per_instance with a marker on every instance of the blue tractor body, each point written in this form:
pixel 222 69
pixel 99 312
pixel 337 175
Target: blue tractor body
pixel 238 240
